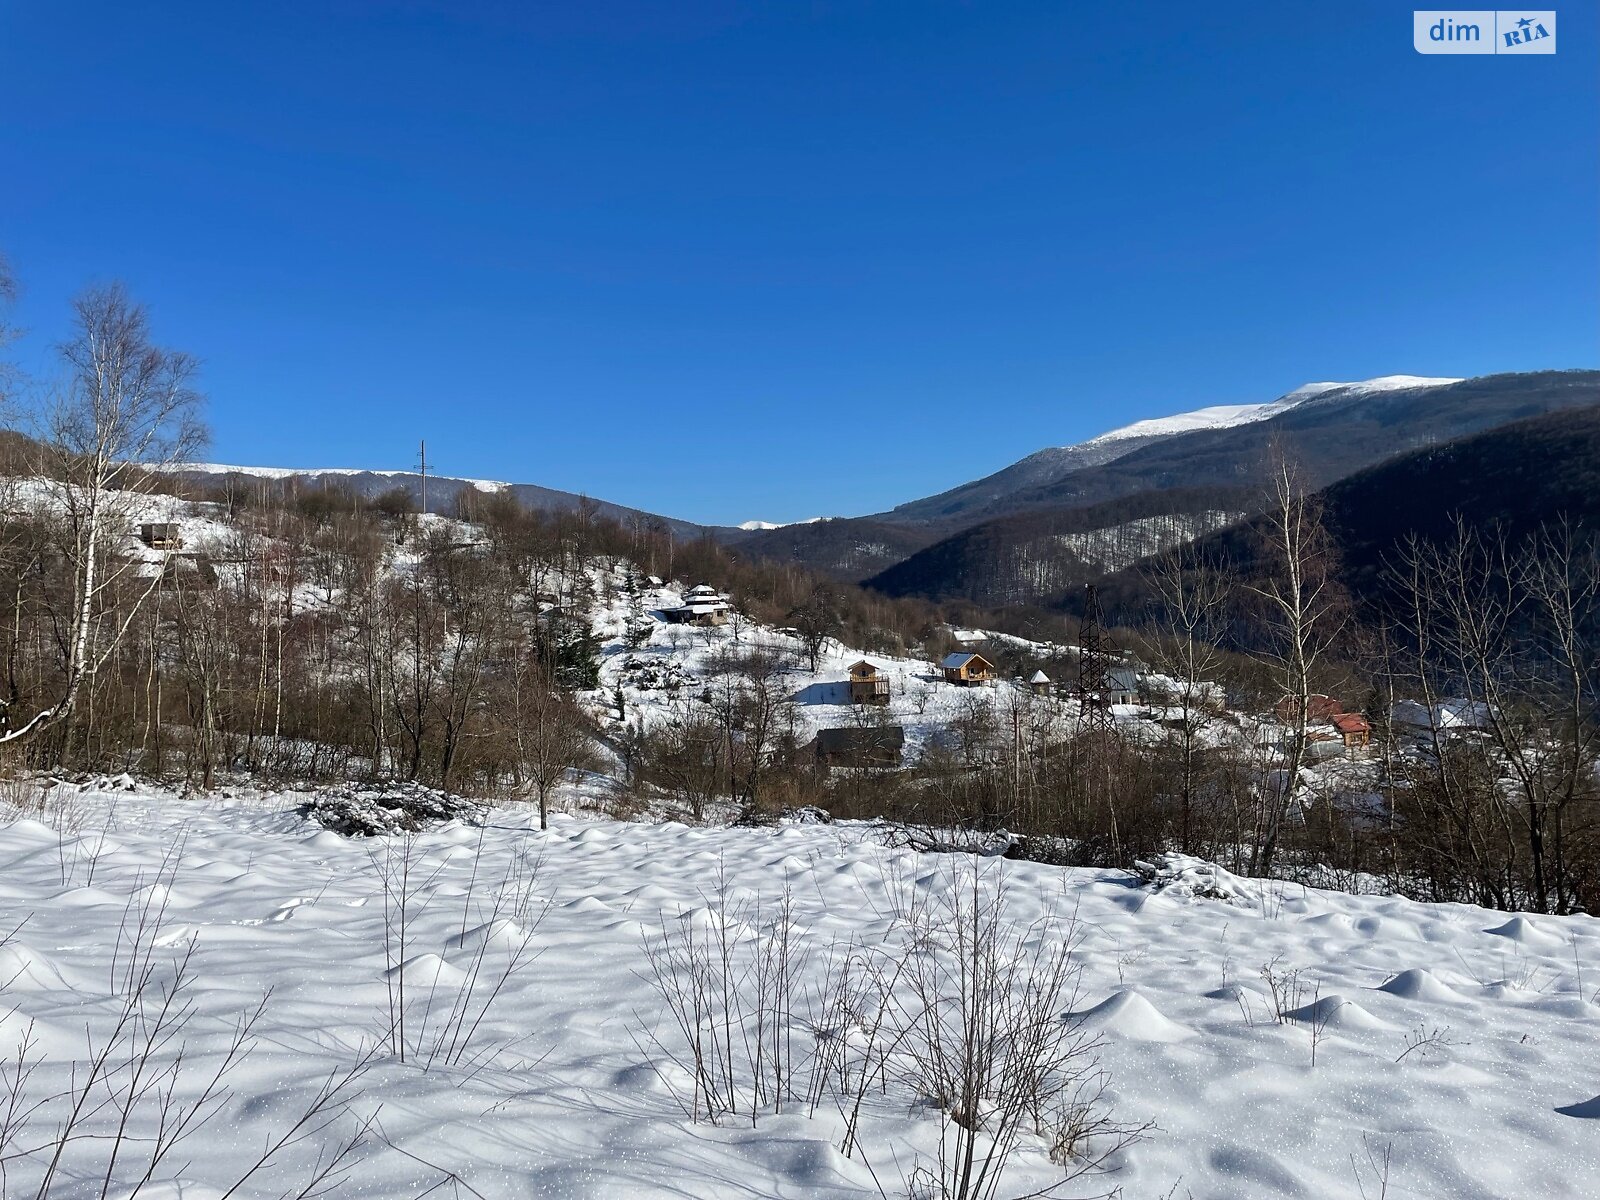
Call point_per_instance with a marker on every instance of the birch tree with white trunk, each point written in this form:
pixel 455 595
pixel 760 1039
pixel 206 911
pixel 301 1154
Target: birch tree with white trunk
pixel 123 412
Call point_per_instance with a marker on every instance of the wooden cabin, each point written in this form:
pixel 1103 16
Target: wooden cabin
pixel 861 746
pixel 1355 729
pixel 866 685
pixel 967 670
pixel 1039 684
pixel 161 535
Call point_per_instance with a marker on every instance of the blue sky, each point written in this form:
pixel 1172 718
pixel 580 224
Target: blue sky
pixel 729 261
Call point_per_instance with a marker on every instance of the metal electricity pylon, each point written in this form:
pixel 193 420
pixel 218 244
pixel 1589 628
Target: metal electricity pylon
pixel 1094 669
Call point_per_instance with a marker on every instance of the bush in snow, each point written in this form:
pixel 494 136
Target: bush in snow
pixel 752 816
pixel 1185 877
pixel 381 809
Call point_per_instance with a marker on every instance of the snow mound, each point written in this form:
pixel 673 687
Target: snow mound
pixel 1330 923
pixel 168 1189
pixel 1184 877
pixel 377 810
pixel 25 970
pixel 1335 1012
pixel 1419 984
pixel 1525 932
pixel 427 970
pixel 84 897
pixel 500 934
pixel 17 1031
pixel 1128 1014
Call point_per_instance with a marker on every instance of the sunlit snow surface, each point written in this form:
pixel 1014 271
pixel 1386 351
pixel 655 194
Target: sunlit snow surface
pixel 1223 416
pixel 569 1103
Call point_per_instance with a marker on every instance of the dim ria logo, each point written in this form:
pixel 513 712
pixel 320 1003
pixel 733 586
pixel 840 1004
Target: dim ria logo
pixel 1483 31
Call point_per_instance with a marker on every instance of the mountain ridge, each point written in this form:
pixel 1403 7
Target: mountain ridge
pixel 1331 435
pixel 1334 428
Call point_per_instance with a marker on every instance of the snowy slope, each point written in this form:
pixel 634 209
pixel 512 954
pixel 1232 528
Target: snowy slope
pixel 567 1088
pixel 1224 416
pixel 1054 464
pixel 483 485
pixel 762 526
pixel 658 678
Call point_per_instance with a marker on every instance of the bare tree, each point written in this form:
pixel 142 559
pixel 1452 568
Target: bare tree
pixel 124 411
pixel 1193 599
pixel 548 731
pixel 816 622
pixel 1303 612
pixel 1500 646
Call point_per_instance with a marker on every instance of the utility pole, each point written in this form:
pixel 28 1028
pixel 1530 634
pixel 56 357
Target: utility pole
pixel 422 469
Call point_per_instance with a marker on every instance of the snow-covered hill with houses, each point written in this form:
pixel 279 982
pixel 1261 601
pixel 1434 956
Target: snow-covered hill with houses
pixel 483 1008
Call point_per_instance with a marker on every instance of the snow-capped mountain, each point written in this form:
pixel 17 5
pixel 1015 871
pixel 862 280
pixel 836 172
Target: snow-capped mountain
pixel 1178 475
pixel 1223 416
pixel 761 526
pixel 279 473
pixel 1049 466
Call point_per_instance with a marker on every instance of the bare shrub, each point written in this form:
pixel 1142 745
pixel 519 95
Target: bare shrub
pixel 728 976
pixel 962 1009
pixel 139 1094
pixel 988 1043
pixel 436 1009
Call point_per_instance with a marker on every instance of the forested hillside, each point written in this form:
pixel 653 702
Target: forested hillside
pixel 976 541
pixel 1503 486
pixel 1038 558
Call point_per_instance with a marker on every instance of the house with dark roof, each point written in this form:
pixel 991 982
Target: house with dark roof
pixel 967 670
pixel 1122 686
pixel 861 746
pixel 702 605
pixel 161 535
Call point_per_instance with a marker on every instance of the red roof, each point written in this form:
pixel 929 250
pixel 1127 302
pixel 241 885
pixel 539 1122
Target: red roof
pixel 1351 723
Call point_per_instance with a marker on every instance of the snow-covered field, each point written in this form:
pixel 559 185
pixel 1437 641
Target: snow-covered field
pixel 564 1086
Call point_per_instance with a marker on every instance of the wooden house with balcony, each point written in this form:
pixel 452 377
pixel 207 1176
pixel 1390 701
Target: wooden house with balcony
pixel 867 686
pixel 967 670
